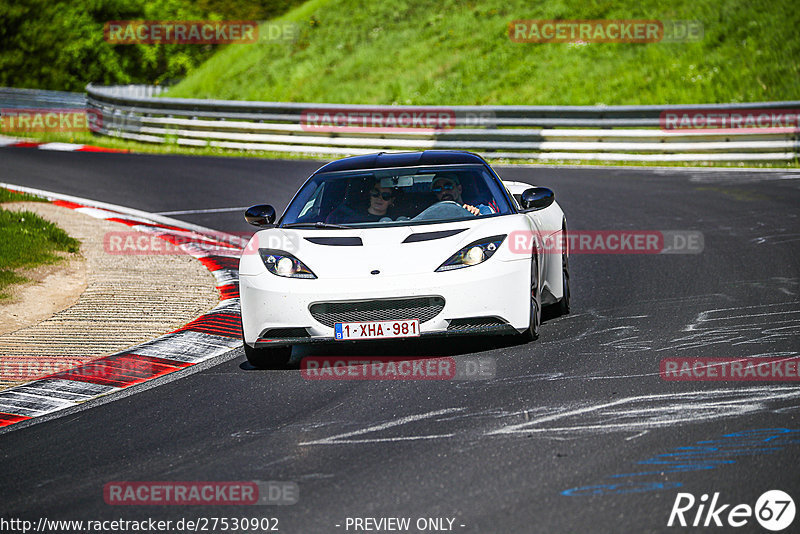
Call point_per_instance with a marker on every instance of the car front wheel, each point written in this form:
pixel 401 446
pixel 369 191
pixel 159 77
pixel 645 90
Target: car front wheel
pixel 532 332
pixel 563 303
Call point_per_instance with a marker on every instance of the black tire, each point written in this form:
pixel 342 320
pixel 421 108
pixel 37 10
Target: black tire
pixel 271 358
pixel 532 332
pixel 563 303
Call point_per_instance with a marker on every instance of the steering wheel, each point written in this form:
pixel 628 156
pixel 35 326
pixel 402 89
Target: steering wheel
pixel 446 209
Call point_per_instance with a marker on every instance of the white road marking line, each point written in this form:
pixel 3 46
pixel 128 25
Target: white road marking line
pixel 701 405
pixel 64 147
pixel 97 213
pixel 210 210
pixel 112 207
pixel 341 438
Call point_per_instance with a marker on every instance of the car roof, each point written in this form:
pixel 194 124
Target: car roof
pixel 383 160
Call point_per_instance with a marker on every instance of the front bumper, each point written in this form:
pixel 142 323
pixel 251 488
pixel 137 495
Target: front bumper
pixel 496 291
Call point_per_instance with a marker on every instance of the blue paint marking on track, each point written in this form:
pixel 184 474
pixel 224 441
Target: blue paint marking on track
pixel 702 456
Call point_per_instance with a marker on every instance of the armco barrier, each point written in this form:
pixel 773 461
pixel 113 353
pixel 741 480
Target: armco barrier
pixel 602 133
pixel 36 98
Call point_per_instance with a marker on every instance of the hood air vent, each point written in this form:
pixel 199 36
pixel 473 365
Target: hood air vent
pixel 428 236
pixel 336 241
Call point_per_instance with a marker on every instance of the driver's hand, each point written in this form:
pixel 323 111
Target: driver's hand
pixel 472 209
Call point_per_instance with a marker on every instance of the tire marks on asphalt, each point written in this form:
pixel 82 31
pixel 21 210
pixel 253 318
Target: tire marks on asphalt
pixel 633 415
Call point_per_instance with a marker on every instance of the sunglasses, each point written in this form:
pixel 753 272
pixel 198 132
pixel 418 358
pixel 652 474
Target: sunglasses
pixel 444 187
pixel 385 195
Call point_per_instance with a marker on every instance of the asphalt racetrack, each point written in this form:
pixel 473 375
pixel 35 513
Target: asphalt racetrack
pixel 577 432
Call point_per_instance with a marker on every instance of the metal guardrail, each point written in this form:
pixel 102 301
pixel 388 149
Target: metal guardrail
pixel 38 98
pixel 612 133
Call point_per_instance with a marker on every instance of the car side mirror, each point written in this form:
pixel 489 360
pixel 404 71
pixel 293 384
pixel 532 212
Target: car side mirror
pixel 260 215
pixel 537 198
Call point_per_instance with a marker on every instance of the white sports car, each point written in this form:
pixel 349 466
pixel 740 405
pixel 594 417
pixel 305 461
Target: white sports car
pixel 395 245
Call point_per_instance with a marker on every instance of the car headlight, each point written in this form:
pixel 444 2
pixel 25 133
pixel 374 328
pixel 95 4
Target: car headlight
pixel 284 264
pixel 473 254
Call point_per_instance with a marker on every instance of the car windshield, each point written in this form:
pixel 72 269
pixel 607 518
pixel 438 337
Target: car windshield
pixel 399 196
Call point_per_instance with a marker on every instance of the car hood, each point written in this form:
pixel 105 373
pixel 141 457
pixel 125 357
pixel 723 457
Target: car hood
pixel 399 250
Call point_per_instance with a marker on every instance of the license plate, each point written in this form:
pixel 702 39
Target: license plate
pixel 376 329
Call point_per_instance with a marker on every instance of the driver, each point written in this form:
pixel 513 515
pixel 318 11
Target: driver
pixel 447 186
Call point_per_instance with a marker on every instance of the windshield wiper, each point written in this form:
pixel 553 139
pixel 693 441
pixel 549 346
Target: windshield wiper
pixel 318 224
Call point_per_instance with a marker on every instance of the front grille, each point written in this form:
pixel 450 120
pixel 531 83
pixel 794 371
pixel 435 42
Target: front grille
pixel 422 308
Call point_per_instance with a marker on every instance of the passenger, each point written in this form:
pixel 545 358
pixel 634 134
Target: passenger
pixel 381 199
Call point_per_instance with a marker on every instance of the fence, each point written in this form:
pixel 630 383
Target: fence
pixel 37 98
pixel 603 133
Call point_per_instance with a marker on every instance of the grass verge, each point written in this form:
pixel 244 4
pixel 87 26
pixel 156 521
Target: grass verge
pixel 27 241
pixel 14 196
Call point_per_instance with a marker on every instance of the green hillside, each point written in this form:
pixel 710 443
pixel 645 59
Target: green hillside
pixel 456 52
pixel 47 44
